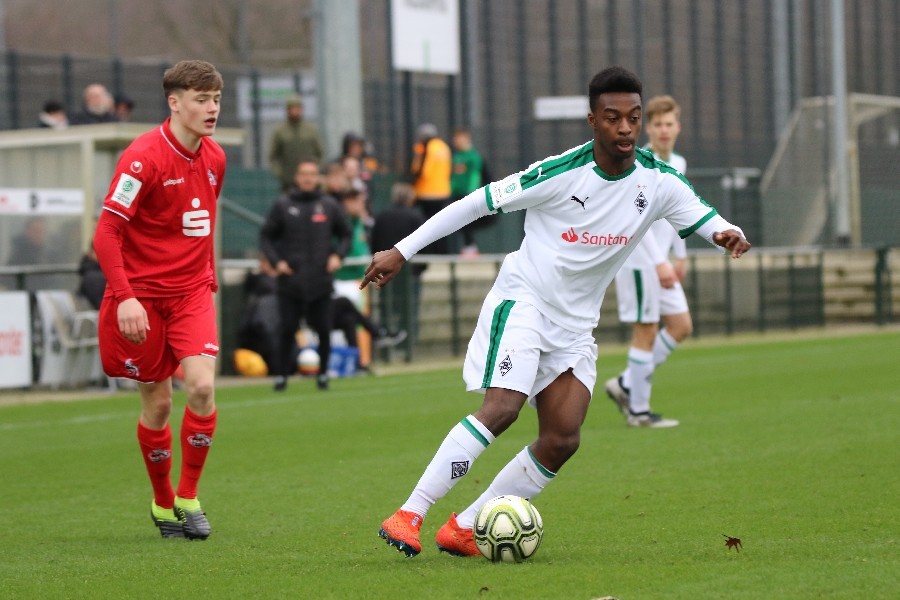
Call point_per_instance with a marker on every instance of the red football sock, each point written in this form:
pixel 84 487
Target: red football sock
pixel 196 438
pixel 156 448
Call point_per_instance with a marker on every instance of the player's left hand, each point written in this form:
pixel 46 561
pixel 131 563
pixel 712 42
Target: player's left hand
pixel 680 266
pixel 384 267
pixel 666 273
pixel 334 263
pixel 733 241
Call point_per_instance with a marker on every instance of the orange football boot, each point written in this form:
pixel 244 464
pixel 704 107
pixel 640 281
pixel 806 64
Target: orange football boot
pixel 401 530
pixel 453 539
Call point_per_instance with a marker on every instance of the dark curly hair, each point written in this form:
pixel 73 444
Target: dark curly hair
pixel 613 79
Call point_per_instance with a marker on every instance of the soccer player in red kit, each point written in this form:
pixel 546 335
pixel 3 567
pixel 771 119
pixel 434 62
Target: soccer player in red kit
pixel 154 241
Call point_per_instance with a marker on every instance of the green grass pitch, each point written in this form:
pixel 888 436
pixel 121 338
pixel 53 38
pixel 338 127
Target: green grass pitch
pixel 791 446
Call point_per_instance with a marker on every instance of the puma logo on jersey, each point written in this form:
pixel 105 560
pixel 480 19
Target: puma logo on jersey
pixel 579 200
pixel 196 223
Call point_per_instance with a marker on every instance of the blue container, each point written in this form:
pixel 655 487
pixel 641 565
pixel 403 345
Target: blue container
pixel 342 362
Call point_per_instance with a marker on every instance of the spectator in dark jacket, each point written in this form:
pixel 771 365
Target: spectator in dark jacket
pixel 305 237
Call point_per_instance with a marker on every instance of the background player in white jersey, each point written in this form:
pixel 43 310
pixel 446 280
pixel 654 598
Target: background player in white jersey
pixel 648 287
pixel 586 210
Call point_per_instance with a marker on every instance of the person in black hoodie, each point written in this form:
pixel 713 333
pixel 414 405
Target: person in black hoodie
pixel 305 237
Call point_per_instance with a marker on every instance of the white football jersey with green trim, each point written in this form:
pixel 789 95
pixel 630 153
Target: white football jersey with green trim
pixel 581 224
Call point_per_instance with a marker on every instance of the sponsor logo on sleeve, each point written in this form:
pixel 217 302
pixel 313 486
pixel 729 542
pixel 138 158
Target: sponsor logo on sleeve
pixel 126 190
pixel 502 192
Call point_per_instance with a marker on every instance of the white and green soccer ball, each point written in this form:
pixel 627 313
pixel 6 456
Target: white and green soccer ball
pixel 508 529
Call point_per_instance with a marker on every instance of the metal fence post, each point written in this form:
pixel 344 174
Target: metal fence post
pixel 729 297
pixel 761 287
pixel 257 122
pixel 454 310
pixel 695 293
pixel 69 94
pixel 882 284
pixel 12 82
pixel 820 292
pixel 793 317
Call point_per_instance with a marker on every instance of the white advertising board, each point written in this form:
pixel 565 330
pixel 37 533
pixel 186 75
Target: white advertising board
pixel 425 35
pixel 561 107
pixel 41 201
pixel 15 340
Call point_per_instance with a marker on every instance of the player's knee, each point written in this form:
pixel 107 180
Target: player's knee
pixel 568 445
pixel 562 446
pixel 680 329
pixel 558 447
pixel 200 389
pixel 156 411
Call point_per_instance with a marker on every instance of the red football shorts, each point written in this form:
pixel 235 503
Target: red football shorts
pixel 180 326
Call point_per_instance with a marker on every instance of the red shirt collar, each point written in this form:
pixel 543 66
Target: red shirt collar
pixel 166 129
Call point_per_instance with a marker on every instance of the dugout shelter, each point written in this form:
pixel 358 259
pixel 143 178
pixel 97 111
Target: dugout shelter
pixel 57 177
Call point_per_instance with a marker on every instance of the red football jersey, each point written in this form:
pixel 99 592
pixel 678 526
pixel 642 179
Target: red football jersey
pixel 168 196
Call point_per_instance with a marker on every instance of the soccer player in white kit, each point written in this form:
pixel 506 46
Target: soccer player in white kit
pixel 648 287
pixel 586 210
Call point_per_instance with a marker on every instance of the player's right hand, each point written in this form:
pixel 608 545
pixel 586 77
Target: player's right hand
pixel 384 266
pixel 732 241
pixel 133 320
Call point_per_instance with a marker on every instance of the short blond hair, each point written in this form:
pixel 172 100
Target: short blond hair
pixel 660 105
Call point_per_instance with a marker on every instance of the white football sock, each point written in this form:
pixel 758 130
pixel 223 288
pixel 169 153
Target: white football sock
pixel 465 442
pixel 663 346
pixel 523 476
pixel 640 362
pixel 626 378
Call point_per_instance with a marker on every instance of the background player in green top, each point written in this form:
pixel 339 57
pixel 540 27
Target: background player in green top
pixel 466 177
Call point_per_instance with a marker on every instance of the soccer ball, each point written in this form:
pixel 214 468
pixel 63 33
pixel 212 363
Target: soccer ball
pixel 508 529
pixel 308 361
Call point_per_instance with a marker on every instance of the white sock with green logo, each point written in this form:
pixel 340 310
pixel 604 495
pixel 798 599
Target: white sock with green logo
pixel 465 442
pixel 640 363
pixel 523 476
pixel 663 346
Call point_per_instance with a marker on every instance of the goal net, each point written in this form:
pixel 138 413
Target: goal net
pixel 798 205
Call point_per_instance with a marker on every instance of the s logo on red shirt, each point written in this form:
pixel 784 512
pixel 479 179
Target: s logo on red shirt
pixel 196 223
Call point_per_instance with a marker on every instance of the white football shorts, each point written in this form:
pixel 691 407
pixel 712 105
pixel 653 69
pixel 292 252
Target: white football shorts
pixel 515 347
pixel 642 299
